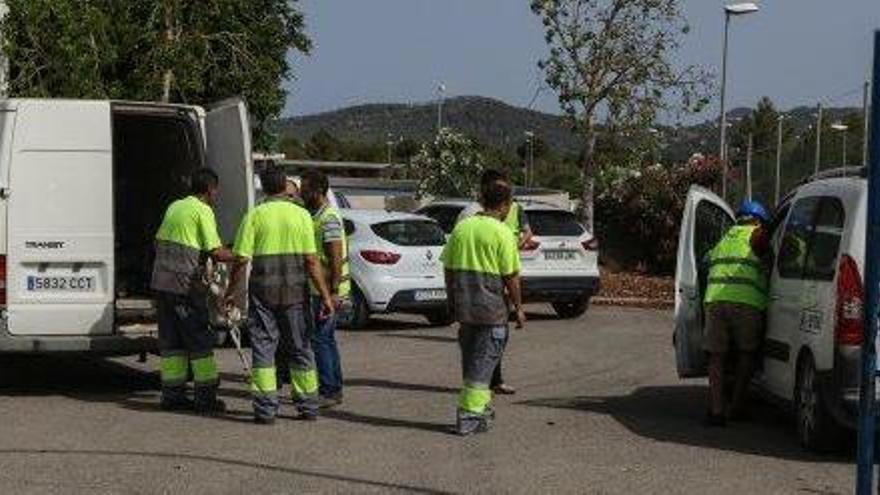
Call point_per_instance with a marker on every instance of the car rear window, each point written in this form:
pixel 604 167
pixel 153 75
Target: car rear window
pixel 446 216
pixel 411 232
pixel 554 224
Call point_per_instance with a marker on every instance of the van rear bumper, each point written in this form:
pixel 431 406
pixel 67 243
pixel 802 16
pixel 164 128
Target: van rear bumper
pixel 128 341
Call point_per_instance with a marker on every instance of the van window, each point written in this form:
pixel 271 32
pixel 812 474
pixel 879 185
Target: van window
pixel 796 237
pixel 711 223
pixel 821 261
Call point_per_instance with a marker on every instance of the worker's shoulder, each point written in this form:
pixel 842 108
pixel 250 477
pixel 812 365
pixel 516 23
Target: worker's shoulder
pixel 482 226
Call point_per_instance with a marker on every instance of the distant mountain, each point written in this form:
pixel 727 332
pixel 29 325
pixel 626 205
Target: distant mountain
pixel 503 126
pixel 490 121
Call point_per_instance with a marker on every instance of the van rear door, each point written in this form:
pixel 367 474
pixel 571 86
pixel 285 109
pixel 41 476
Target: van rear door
pixel 706 218
pixel 60 219
pixel 228 140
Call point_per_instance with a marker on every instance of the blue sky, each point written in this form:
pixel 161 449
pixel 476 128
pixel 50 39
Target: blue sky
pixel 367 51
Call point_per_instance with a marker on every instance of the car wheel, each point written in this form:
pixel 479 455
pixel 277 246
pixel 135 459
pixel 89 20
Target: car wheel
pixel 816 428
pixel 571 310
pixel 358 314
pixel 440 318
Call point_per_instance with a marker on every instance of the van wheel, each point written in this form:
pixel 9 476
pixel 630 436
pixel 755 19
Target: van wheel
pixel 358 315
pixel 817 430
pixel 571 310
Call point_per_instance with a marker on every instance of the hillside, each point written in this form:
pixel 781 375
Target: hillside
pixel 490 121
pixel 503 126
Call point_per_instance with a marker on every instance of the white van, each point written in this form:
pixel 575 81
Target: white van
pixel 814 326
pixel 83 187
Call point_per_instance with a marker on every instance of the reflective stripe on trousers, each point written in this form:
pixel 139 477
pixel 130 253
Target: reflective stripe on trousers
pixel 286 326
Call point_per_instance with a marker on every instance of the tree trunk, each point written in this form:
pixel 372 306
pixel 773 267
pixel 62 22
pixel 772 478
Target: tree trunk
pixel 588 170
pixel 168 75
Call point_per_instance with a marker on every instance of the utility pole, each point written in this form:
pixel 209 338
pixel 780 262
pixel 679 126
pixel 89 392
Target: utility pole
pixel 749 169
pixel 818 137
pixel 441 89
pixel 867 128
pixel 390 144
pixel 778 157
pixel 530 171
pixel 4 62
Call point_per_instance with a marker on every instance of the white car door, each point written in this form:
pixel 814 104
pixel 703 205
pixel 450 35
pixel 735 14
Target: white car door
pixel 705 220
pixel 228 136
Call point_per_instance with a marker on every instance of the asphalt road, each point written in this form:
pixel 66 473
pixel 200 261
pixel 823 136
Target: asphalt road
pixel 599 410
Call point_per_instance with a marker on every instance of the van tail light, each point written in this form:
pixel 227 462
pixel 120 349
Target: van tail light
pixel 591 244
pixel 2 280
pixel 530 245
pixel 380 257
pixel 849 329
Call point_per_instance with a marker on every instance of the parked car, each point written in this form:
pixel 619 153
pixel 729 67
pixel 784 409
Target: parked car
pixel 560 266
pixel 395 266
pixel 814 327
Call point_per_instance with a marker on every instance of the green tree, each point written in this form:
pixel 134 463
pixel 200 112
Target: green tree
pixel 449 166
pixel 614 58
pixel 156 50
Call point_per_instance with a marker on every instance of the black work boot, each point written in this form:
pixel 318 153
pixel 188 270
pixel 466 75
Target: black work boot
pixel 207 402
pixel 174 399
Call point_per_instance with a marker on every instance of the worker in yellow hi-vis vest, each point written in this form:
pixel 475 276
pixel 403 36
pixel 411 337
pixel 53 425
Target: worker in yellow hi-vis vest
pixel 186 238
pixel 735 303
pixel 278 239
pixel 333 253
pixel 481 264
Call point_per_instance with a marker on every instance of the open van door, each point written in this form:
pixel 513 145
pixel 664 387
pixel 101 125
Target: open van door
pixel 228 143
pixel 60 220
pixel 705 220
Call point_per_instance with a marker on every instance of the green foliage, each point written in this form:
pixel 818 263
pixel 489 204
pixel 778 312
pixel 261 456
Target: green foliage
pixel 449 166
pixel 639 211
pixel 615 58
pixel 175 50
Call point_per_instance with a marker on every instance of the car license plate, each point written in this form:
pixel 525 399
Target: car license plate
pixel 559 255
pixel 431 295
pixel 60 283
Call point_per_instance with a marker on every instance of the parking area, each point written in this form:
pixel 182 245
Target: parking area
pixel 599 409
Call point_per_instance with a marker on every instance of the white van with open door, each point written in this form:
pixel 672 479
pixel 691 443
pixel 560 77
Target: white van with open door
pixel 810 358
pixel 83 187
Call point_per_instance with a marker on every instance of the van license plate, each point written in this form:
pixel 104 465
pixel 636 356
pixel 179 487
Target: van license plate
pixel 61 284
pixel 559 255
pixel 431 295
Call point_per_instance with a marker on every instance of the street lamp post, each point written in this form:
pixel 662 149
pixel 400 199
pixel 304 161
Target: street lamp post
pixel 729 10
pixel 842 128
pixel 530 172
pixel 818 138
pixel 778 157
pixel 441 90
pixel 390 144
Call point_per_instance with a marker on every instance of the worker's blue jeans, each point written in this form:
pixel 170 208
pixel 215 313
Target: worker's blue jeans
pixel 327 359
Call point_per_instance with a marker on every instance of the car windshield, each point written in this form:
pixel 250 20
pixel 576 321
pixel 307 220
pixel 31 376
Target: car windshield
pixel 551 223
pixel 411 232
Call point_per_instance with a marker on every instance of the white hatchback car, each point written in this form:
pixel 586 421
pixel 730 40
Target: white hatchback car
pixel 560 267
pixel 814 320
pixel 395 266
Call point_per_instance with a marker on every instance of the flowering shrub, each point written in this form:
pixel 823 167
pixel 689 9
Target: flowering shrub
pixel 638 211
pixel 449 166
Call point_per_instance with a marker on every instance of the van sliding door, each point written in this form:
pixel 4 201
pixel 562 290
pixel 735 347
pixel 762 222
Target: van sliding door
pixel 60 220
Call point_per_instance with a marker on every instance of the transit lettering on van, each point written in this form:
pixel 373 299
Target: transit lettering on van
pixel 44 244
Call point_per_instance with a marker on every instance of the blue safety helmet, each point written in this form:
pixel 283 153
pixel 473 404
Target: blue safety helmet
pixel 753 209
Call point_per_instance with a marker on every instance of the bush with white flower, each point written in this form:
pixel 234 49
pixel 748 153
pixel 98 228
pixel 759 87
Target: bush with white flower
pixel 449 166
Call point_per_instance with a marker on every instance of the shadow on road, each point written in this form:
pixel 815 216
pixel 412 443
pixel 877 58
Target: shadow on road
pixel 385 422
pixel 415 387
pixel 386 324
pixel 673 413
pixel 237 463
pixel 427 338
pixel 80 377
